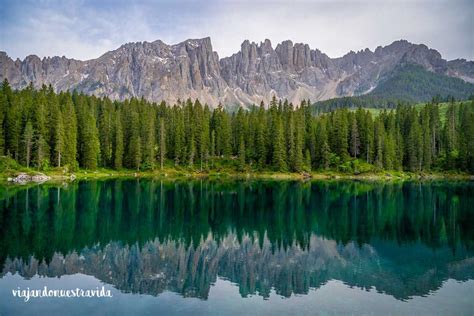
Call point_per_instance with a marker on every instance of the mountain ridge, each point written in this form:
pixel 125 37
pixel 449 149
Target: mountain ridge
pixel 192 69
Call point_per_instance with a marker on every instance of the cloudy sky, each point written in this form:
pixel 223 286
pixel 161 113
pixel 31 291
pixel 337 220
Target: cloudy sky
pixel 87 29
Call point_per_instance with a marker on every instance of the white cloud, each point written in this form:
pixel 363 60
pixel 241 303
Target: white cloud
pixel 86 30
pixel 339 27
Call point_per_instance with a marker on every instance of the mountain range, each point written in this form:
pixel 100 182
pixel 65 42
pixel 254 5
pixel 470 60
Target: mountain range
pixel 191 69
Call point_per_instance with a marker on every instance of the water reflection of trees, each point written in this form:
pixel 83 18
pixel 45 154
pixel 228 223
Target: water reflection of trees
pixel 179 236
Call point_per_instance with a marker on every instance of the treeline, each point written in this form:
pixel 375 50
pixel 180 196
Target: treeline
pixel 375 102
pixel 364 101
pixel 42 129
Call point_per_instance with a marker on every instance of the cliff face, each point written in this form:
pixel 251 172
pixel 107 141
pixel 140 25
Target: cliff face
pixel 155 71
pixel 191 69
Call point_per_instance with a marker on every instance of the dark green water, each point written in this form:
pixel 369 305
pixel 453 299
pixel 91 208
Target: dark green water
pixel 208 247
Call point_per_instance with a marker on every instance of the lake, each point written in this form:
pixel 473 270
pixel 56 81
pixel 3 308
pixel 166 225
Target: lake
pixel 239 247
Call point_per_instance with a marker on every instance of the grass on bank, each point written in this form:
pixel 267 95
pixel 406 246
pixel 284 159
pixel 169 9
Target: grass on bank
pixel 228 168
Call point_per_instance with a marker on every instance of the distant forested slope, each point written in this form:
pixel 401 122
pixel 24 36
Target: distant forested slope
pixel 407 83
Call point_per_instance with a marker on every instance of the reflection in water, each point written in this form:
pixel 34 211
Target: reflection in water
pixel 145 236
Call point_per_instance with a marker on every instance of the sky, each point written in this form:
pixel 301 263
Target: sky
pixel 87 29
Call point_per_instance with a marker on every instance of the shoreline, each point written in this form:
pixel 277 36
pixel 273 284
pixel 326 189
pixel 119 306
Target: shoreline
pixel 175 174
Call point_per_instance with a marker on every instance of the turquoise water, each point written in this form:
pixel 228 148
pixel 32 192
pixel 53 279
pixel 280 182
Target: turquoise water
pixel 208 247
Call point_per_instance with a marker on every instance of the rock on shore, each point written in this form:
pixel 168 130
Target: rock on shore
pixel 24 178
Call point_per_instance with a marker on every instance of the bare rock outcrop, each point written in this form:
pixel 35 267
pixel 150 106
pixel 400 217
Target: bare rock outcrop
pixel 191 69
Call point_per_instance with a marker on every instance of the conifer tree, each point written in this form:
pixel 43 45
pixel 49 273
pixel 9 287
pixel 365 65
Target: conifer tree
pixel 178 136
pixel 56 133
pixel 147 137
pixel 364 125
pixel 297 161
pixel 223 132
pixel 278 147
pixel 162 146
pixel 134 150
pixel 414 144
pixel 88 136
pixel 427 139
pixel 354 137
pixel 118 141
pixel 213 147
pixel 241 153
pixel 339 133
pixel 40 146
pixel 450 137
pixel 321 159
pixel 308 160
pixel 28 142
pixel 105 132
pixel 191 150
pixel 199 121
pixel 58 137
pixel 466 137
pixel 290 138
pixel 389 155
pixel 68 112
pixel 398 143
pixel 369 133
pixel 3 108
pixel 435 126
pixel 379 138
pixel 205 138
pixel 261 150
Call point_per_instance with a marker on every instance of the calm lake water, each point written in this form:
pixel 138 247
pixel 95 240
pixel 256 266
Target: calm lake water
pixel 207 247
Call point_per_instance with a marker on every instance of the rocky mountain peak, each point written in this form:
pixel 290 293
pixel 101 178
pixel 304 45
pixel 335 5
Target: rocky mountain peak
pixel 159 71
pixel 266 46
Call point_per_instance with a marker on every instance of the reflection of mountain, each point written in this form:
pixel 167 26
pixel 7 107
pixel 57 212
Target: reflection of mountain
pixel 147 237
pixel 156 267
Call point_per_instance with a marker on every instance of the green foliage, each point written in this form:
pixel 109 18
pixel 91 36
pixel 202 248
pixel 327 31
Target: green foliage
pixel 88 149
pixel 356 166
pixel 7 164
pixel 278 149
pixel 42 129
pixel 242 153
pixel 117 144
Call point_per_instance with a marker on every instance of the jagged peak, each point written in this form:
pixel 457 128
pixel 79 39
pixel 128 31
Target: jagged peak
pixel 4 54
pixel 264 46
pixel 248 43
pixel 349 53
pixel 285 43
pixel 159 42
pixel 33 57
pixel 266 42
pixel 400 41
pixel 195 42
pixel 49 58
